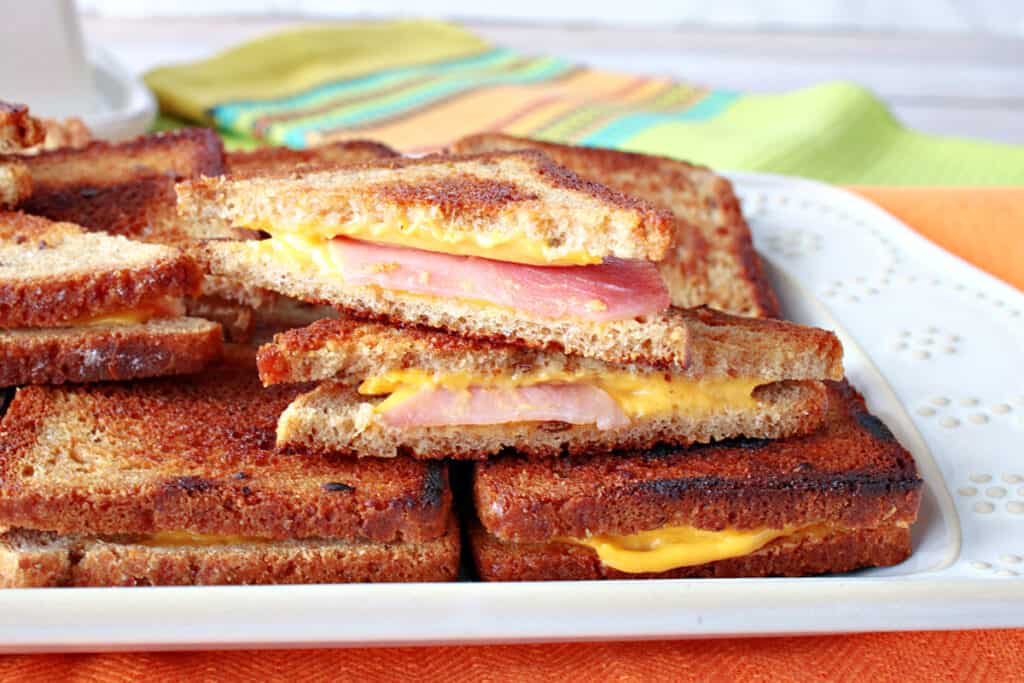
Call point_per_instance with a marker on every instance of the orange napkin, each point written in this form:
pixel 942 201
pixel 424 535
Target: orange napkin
pixel 984 226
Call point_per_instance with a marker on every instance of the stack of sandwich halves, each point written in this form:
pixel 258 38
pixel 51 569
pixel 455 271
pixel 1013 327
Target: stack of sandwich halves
pixel 587 334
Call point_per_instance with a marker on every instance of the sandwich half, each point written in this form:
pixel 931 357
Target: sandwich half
pixel 713 262
pixel 840 499
pixel 387 390
pixel 161 482
pixel 86 307
pixel 505 245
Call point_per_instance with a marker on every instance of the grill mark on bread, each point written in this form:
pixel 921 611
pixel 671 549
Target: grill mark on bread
pixel 463 194
pixel 283 160
pixel 876 427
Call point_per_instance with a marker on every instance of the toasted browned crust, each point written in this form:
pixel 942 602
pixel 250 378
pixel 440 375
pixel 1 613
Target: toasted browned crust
pixel 717 344
pixel 32 294
pixel 18 130
pixel 178 154
pixel 31 559
pixel 179 346
pixel 127 188
pixel 277 160
pixel 15 183
pixel 334 418
pixel 852 473
pixel 507 192
pixel 201 457
pixel 714 261
pixel 835 553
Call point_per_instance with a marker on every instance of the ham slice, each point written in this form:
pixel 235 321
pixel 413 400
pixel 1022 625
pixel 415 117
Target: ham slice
pixel 614 290
pixel 546 402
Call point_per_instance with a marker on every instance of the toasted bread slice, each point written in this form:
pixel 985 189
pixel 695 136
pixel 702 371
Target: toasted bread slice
pixel 98 353
pixel 278 160
pixel 517 195
pixel 33 559
pixel 798 555
pixel 718 346
pixel 715 263
pixel 19 130
pixel 334 418
pixel 170 456
pixel 127 188
pixel 15 183
pixel 850 474
pixel 54 274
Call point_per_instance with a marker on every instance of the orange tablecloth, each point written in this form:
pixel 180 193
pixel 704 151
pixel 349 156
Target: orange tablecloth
pixel 984 226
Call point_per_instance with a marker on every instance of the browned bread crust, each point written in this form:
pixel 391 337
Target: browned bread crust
pixel 851 473
pixel 52 273
pixel 714 261
pixel 515 193
pixel 276 160
pixel 127 188
pixel 198 456
pixel 334 418
pixel 717 345
pixel 18 130
pixel 843 551
pixel 176 346
pixel 36 559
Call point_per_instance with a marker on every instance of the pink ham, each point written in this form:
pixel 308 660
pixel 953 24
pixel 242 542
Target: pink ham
pixel 549 402
pixel 613 290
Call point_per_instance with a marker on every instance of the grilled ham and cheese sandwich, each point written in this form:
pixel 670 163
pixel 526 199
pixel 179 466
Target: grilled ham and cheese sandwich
pixel 85 307
pixel 505 245
pixel 713 261
pixel 839 499
pixel 387 390
pixel 163 482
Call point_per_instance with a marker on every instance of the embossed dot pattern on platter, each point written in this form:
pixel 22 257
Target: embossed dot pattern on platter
pixel 1001 408
pixel 995 492
pixel 978 418
pixel 1005 572
pixel 1012 478
pixel 967 491
pixel 940 401
pixel 977 564
pixel 968 402
pixel 984 508
pixel 950 422
pixel 1011 559
pixel 925 411
pixel 981 478
pixel 1016 507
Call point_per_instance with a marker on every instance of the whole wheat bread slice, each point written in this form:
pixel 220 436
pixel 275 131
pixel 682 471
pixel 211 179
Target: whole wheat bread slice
pixel 32 559
pixel 198 456
pixel 713 261
pixel 718 346
pixel 520 195
pixel 98 353
pixel 52 274
pixel 282 160
pixel 334 418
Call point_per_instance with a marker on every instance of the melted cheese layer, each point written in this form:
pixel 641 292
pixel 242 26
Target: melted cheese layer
pixel 637 395
pixel 438 237
pixel 660 550
pixel 161 308
pixel 174 539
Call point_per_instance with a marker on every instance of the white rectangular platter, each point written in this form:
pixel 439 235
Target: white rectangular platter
pixel 934 344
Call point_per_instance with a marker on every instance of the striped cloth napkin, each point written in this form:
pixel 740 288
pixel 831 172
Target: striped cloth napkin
pixel 418 85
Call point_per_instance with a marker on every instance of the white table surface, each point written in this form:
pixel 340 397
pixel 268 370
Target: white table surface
pixel 946 84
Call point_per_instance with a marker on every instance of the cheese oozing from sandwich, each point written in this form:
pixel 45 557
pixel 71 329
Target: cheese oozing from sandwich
pixel 614 289
pixel 176 539
pixel 672 547
pixel 164 307
pixel 609 399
